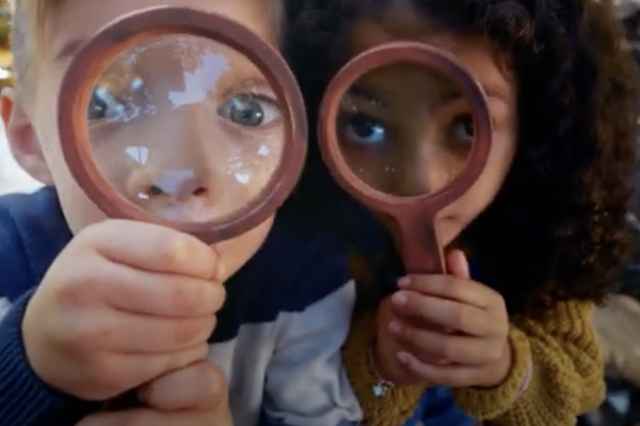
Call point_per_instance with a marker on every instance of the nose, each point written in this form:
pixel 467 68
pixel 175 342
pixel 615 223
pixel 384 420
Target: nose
pixel 180 195
pixel 436 168
pixel 177 177
pixel 428 166
pixel 175 186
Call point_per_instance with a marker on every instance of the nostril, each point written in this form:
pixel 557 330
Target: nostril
pixel 201 191
pixel 154 191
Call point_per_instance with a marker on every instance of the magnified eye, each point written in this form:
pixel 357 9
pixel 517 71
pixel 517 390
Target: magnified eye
pixel 363 129
pixel 104 106
pixel 463 129
pixel 249 110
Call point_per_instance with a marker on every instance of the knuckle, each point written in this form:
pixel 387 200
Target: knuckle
pixel 95 235
pixel 410 336
pixel 440 377
pixel 417 306
pixel 212 377
pixel 77 287
pixel 496 352
pixel 174 251
pixel 456 289
pixel 187 298
pixel 500 304
pixel 87 335
pixel 178 361
pixel 188 330
pixel 221 296
pixel 462 317
pixel 70 293
pixel 449 350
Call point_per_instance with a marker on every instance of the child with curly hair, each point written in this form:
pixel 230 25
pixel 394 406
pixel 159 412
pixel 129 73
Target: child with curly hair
pixel 510 339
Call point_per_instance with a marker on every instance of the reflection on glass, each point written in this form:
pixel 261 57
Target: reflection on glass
pixel 185 127
pixel 405 130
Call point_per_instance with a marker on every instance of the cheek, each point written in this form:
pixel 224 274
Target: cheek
pixel 484 191
pixel 78 209
pixel 236 252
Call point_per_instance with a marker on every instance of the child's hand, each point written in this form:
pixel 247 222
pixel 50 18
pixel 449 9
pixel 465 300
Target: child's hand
pixel 193 396
pixel 124 303
pixel 445 330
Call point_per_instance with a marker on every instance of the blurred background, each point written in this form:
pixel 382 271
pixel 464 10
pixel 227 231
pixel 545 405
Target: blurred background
pixel 12 178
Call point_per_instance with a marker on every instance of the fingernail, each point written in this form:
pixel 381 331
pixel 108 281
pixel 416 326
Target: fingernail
pixel 404 282
pixel 399 299
pixel 395 327
pixel 403 358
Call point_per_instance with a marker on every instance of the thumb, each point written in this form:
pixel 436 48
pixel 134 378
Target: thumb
pixel 457 264
pixel 198 386
pixel 220 409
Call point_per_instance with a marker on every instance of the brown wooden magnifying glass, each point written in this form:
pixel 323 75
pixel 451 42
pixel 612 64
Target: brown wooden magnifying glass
pixel 185 119
pixel 405 129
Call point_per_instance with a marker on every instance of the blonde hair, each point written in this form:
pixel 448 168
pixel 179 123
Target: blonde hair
pixel 28 25
pixel 28 30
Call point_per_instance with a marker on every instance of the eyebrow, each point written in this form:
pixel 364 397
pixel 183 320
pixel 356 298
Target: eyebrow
pixel 69 49
pixel 492 91
pixel 361 92
pixel 369 96
pixel 496 92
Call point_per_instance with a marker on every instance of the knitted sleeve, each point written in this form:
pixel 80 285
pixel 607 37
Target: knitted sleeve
pixel 566 377
pixel 398 404
pixel 558 359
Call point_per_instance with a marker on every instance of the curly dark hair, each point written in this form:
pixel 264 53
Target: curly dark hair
pixel 557 229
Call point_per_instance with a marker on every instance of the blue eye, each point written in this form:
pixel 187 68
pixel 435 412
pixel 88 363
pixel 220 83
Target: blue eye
pixel 249 110
pixel 103 105
pixel 363 129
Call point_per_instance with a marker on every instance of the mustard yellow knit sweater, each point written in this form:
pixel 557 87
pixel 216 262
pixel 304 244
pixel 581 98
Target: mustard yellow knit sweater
pixel 567 376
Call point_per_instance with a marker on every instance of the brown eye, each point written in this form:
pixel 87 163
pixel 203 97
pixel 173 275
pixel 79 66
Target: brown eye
pixel 463 128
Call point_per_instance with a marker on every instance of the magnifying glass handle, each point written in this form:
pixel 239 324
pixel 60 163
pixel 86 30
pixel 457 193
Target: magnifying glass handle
pixel 422 252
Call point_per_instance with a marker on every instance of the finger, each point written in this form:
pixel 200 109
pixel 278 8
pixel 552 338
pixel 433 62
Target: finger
pixel 148 417
pixel 453 376
pixel 152 248
pixel 132 290
pixel 138 369
pixel 430 345
pixel 137 334
pixel 458 265
pixel 199 386
pixel 460 317
pixel 452 288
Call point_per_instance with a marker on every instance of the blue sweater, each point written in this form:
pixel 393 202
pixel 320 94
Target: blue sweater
pixel 293 300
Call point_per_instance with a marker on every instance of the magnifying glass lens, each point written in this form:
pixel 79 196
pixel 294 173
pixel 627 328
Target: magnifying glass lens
pixel 185 128
pixel 405 130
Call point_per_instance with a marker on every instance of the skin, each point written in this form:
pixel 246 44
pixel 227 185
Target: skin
pixel 33 136
pixel 194 396
pixel 121 283
pixel 438 329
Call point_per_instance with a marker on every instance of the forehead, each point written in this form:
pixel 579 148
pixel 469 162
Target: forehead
pixel 75 21
pixel 476 54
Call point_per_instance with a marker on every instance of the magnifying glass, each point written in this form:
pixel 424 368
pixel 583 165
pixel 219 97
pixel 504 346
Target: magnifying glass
pixel 405 129
pixel 185 119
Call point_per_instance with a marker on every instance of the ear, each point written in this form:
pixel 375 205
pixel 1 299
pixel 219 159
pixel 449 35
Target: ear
pixel 22 137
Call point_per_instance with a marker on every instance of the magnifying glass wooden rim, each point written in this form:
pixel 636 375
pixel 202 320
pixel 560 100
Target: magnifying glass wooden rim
pixel 414 215
pixel 129 30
